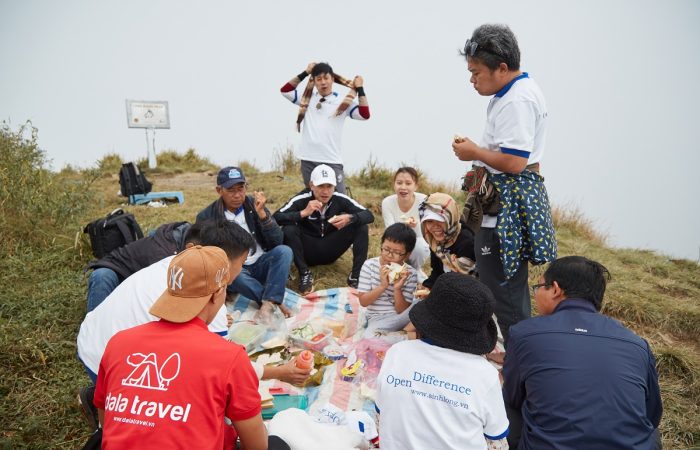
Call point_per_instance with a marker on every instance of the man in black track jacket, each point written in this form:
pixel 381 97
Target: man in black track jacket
pixel 320 224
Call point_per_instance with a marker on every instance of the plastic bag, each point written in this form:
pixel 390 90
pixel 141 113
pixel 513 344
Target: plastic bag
pixel 271 317
pixel 371 352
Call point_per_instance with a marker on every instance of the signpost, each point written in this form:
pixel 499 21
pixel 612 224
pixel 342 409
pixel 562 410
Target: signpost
pixel 148 115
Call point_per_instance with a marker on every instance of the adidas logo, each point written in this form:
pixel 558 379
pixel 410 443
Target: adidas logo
pixel 485 251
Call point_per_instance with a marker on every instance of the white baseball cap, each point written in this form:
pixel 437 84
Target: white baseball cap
pixel 322 174
pixel 431 215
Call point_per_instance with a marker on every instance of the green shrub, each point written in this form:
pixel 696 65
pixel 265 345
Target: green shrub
pixel 373 176
pixel 35 203
pixel 248 168
pixel 170 161
pixel 110 163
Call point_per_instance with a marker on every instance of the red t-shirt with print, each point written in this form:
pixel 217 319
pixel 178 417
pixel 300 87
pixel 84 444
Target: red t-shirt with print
pixel 169 385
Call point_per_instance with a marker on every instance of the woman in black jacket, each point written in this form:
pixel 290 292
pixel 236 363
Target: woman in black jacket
pixel 451 244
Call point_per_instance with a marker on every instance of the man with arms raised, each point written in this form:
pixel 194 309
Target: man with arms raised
pixel 322 127
pixel 320 224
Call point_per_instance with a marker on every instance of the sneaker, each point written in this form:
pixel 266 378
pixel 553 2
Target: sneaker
pixel 306 282
pixel 85 396
pixel 353 281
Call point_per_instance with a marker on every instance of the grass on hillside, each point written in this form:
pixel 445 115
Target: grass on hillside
pixel 43 285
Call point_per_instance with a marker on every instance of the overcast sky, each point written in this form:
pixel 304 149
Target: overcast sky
pixel 620 79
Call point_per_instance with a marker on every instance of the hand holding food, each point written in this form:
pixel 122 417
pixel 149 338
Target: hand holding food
pixel 384 275
pixel 260 200
pixel 408 220
pixel 421 293
pixel 340 221
pixel 293 374
pixel 464 148
pixel 311 207
pixel 396 271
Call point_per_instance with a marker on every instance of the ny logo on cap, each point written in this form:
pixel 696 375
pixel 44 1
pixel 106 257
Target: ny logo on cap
pixel 219 278
pixel 324 173
pixel 233 173
pixel 176 274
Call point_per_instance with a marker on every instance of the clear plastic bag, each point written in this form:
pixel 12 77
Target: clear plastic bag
pixel 271 316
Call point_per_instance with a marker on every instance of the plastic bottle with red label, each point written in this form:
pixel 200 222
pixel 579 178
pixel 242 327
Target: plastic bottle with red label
pixel 305 360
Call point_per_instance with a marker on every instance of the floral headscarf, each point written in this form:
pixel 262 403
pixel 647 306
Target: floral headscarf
pixel 446 207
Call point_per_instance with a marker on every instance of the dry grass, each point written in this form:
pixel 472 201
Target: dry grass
pixel 44 302
pixel 284 161
pixel 172 162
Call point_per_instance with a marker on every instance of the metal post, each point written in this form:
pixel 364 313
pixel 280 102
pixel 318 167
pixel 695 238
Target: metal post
pixel 151 146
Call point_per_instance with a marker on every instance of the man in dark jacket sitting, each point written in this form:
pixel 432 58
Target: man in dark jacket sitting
pixel 265 272
pixel 575 378
pixel 320 224
pixel 119 264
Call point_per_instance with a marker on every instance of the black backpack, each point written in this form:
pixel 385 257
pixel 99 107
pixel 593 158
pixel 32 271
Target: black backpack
pixel 132 181
pixel 111 232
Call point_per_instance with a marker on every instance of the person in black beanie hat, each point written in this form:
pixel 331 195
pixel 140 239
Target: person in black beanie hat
pixel 439 391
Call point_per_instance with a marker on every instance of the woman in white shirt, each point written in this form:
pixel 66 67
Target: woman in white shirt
pixel 403 207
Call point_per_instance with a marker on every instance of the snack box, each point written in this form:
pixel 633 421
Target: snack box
pixel 316 338
pixel 283 402
pixel 333 352
pixel 247 334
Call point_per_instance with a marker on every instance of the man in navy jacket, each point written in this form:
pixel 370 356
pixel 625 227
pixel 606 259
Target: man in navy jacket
pixel 579 379
pixel 265 272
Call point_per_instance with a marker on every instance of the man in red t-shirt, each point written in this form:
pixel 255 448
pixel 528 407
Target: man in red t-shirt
pixel 169 384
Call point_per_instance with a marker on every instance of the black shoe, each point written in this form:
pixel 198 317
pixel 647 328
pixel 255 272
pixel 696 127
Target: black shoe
pixel 85 396
pixel 306 282
pixel 353 281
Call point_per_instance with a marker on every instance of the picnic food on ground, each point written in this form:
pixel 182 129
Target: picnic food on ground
pixel 273 358
pixel 266 399
pixel 276 341
pixel 349 372
pixel 333 352
pixel 305 332
pixel 318 337
pixel 336 326
pixel 310 336
pixel 395 271
pixel 247 334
